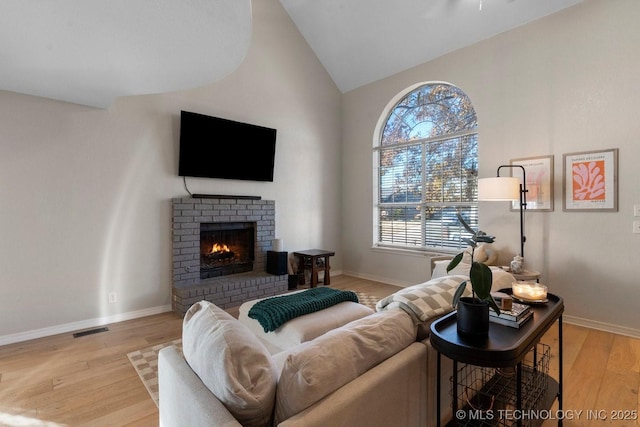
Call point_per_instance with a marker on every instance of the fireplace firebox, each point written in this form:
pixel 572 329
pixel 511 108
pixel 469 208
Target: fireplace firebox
pixel 226 248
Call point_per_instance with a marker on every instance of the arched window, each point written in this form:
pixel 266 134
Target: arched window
pixel 427 169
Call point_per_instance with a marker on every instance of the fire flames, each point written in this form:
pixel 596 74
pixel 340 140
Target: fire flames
pixel 217 248
pixel 220 253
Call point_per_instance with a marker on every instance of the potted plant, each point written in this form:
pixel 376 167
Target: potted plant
pixel 473 312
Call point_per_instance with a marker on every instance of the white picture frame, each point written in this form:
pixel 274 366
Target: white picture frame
pixel 539 185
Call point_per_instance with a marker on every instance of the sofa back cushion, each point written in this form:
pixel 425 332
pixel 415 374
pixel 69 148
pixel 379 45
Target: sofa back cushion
pixel 317 368
pixel 501 278
pixel 231 362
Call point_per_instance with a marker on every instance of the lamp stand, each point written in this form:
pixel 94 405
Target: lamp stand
pixel 523 202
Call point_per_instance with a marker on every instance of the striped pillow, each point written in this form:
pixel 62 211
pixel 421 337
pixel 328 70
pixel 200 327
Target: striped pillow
pixel 425 300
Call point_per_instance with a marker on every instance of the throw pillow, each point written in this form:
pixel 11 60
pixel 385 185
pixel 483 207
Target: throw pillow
pixel 317 368
pixel 231 362
pixel 424 301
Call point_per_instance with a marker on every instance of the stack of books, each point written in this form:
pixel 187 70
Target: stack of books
pixel 514 318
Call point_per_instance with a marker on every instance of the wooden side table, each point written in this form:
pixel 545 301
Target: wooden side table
pixel 308 260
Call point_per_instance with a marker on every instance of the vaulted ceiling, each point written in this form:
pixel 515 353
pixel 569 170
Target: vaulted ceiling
pixel 361 41
pixel 91 51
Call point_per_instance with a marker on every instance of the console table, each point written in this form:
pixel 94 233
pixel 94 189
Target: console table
pixel 505 347
pixel 314 260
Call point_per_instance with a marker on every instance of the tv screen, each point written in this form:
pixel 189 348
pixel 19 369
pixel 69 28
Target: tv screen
pixel 212 147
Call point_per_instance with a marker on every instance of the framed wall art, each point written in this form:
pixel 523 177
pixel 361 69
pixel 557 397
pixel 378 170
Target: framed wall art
pixel 539 173
pixel 590 181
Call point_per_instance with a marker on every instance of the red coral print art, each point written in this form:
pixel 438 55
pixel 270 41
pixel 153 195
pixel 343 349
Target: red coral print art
pixel 588 180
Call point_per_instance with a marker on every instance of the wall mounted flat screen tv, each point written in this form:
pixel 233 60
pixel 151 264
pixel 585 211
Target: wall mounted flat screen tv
pixel 212 147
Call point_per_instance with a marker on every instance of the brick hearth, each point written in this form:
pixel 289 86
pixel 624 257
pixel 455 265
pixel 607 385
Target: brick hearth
pixel 225 291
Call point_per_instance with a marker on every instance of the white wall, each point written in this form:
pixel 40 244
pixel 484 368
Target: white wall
pixel 85 194
pixel 565 83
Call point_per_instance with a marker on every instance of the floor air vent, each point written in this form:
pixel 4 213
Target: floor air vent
pixel 90 332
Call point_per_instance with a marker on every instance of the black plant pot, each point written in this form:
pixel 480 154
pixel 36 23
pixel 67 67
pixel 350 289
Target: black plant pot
pixel 473 318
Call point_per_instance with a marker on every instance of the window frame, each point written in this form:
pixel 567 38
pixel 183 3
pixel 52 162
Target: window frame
pixel 378 147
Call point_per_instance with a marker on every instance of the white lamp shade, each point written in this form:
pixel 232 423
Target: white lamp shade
pixel 499 188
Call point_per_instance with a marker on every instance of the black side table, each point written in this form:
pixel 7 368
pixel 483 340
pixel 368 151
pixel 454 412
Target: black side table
pixel 505 347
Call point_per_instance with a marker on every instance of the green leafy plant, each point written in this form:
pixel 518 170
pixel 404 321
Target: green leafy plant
pixel 480 274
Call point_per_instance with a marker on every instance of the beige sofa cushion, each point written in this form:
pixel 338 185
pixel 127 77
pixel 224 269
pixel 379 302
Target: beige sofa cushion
pixel 316 368
pixel 231 362
pixel 303 328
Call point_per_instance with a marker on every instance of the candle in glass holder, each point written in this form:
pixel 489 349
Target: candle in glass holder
pixel 529 291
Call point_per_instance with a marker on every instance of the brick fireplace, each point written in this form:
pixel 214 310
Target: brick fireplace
pixel 233 275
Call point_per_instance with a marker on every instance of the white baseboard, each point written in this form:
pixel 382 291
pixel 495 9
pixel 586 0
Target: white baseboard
pixel 83 324
pixel 601 326
pixel 91 323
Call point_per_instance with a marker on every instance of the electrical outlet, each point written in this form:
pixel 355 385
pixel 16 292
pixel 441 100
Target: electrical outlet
pixel 636 210
pixel 636 227
pixel 112 297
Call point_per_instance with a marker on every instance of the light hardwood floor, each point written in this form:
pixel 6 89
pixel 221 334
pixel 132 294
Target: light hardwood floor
pixel 66 381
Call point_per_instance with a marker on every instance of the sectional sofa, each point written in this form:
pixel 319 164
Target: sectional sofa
pixel 376 369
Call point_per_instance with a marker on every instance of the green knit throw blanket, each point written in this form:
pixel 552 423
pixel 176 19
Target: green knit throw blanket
pixel 274 312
